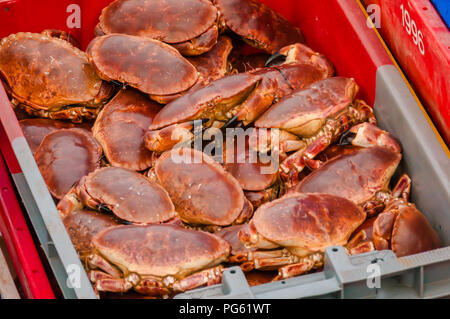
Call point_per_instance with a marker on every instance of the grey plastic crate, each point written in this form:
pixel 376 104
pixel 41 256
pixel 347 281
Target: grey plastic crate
pixel 425 160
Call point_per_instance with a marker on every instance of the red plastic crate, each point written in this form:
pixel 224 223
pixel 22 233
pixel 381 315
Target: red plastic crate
pixel 336 28
pixel 420 41
pixel 20 245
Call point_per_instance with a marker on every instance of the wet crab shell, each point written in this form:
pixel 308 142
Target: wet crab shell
pixel 247 168
pixel 404 229
pixel 309 222
pixel 120 129
pixel 214 64
pixel 258 24
pixel 202 191
pixel 211 66
pixel 358 174
pixel 199 45
pixel 227 91
pixel 150 66
pixel 170 21
pixel 128 195
pixel 305 110
pixel 161 250
pixel 48 74
pixel 83 225
pixel 36 129
pixel 65 156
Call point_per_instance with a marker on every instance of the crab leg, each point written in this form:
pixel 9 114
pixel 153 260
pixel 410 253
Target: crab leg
pixel 294 164
pixel 294 270
pixel 96 261
pixel 113 285
pixel 207 277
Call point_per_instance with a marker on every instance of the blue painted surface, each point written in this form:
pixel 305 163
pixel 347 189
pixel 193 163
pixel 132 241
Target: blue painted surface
pixel 443 6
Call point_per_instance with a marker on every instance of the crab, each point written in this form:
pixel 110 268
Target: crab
pixel 401 227
pixel 367 171
pixel 83 225
pixel 259 181
pixel 157 260
pixel 150 66
pixel 35 129
pixel 190 25
pixel 307 122
pixel 193 26
pixel 65 156
pixel 301 227
pixel 204 194
pixel 211 66
pixel 257 24
pixel 238 98
pixel 129 196
pixel 48 77
pixel 120 129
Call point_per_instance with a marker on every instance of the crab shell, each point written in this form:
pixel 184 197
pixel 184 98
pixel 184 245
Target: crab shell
pixel 36 129
pixel 202 191
pixel 258 24
pixel 305 223
pixel 150 66
pixel 49 75
pixel 83 225
pixel 170 21
pixel 359 174
pixel 160 250
pixel 128 195
pixel 304 112
pixel 211 66
pixel 120 129
pixel 404 229
pixel 231 90
pixel 247 168
pixel 65 156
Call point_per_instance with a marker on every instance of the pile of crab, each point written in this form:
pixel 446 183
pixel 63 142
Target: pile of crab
pixel 114 132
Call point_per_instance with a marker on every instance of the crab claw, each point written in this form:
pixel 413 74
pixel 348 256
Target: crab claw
pixel 369 135
pixel 404 229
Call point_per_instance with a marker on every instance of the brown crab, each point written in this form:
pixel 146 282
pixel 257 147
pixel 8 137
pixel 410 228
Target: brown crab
pixel 49 77
pixel 190 25
pixel 211 66
pixel 150 66
pixel 401 227
pixel 308 121
pixel 257 24
pixel 241 97
pixel 156 260
pixel 131 197
pixel 120 129
pixel 65 156
pixel 35 129
pixel 204 194
pixel 83 225
pixel 301 226
pixel 366 171
pixel 259 180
